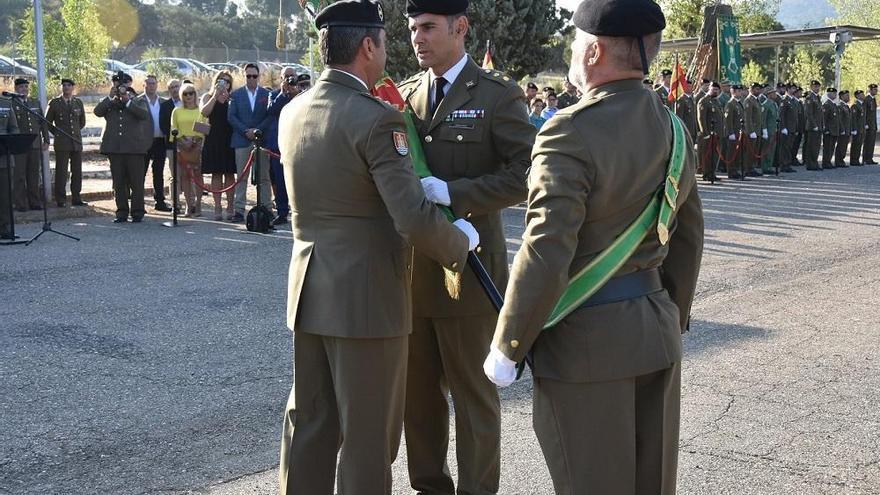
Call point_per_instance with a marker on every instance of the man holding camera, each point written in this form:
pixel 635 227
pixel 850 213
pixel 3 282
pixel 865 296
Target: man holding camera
pixel 277 99
pixel 127 137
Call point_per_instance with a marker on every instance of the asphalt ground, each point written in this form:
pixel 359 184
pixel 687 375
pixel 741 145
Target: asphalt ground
pixel 147 359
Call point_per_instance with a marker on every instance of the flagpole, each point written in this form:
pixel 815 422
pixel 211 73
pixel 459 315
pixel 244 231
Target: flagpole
pixel 677 76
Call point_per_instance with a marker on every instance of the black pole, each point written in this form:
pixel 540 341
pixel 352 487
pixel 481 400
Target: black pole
pixel 486 281
pixel 12 235
pixel 176 207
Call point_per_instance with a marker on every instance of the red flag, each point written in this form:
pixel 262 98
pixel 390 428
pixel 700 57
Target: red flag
pixel 679 84
pixel 487 59
pixel 386 90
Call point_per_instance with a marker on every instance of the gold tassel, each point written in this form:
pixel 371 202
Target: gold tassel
pixel 453 283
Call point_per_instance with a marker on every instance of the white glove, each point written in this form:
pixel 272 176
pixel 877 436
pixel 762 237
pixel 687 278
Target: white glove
pixel 815 129
pixel 764 134
pixel 785 132
pixel 753 136
pixel 866 126
pixel 854 133
pixel 732 137
pixel 498 368
pixel 469 230
pixel 436 191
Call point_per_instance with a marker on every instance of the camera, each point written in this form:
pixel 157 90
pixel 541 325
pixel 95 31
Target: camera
pixel 290 80
pixel 221 84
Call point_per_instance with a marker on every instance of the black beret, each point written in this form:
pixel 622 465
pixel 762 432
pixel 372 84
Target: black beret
pixel 706 80
pixel 633 18
pixel 844 92
pixel 757 85
pixel 68 81
pixel 815 83
pixel 647 80
pixel 714 84
pixel 351 13
pixel 21 80
pixel 859 92
pixel 548 88
pixel 738 86
pixel 532 85
pixel 303 78
pixel 830 90
pixel 800 89
pixel 665 72
pixel 872 86
pixel 441 7
pixel 121 77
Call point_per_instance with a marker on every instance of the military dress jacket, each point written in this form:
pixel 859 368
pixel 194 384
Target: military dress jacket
pixel 843 114
pixel 479 141
pixel 8 125
pixel 857 111
pixel 871 112
pixel 29 124
pixel 69 117
pixel 753 116
pixel 831 117
pixel 128 128
pixel 771 115
pixel 357 207
pixel 586 186
pixel 733 117
pixel 711 117
pixel 815 120
pixel 788 115
pixel 686 109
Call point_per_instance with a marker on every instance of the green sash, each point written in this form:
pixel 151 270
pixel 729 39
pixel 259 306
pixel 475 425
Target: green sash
pixel 660 211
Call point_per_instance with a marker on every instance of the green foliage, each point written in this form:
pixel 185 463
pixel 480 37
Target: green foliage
pixel 810 62
pixel 859 63
pixel 752 72
pixel 74 45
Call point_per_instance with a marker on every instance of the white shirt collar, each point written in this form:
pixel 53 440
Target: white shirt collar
pixel 356 78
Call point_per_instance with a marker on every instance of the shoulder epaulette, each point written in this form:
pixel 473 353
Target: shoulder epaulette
pixel 584 104
pixel 498 77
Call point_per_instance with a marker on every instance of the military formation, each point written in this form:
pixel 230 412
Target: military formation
pixel 753 132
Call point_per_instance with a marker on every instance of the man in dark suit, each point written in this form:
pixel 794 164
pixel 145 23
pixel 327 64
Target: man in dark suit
pixel 165 110
pixel 248 113
pixel 277 100
pixel 156 153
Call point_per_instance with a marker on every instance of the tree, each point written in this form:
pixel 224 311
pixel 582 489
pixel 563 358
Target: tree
pixel 74 46
pixel 859 63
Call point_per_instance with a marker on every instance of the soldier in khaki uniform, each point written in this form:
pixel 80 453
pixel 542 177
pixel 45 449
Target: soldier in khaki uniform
pixel 770 111
pixel 26 178
pixel 753 128
pixel 799 138
pixel 815 126
pixel 8 125
pixel 686 109
pixel 733 127
pixel 831 131
pixel 606 377
pixel 663 88
pixel 356 208
pixel 66 112
pixel 871 122
pixel 857 110
pixel 711 131
pixel 476 135
pixel 845 129
pixel 788 128
pixel 126 139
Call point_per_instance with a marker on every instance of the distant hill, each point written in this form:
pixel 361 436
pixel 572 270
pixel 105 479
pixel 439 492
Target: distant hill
pixel 795 14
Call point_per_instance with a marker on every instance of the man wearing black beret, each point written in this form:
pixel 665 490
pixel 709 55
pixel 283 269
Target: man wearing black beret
pixel 26 179
pixel 358 208
pixel 815 126
pixel 606 373
pixel 871 122
pixel 663 86
pixel 66 112
pixel 831 131
pixel 753 130
pixel 475 131
pixel 857 110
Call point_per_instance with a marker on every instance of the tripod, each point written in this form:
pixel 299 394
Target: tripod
pixel 47 225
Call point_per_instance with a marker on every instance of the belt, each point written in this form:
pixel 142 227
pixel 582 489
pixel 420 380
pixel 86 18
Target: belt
pixel 626 287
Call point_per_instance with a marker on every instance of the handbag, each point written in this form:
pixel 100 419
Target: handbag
pixel 202 127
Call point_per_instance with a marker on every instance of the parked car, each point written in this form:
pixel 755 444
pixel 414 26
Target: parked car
pixel 111 67
pixel 173 65
pixel 227 66
pixel 204 68
pixel 10 68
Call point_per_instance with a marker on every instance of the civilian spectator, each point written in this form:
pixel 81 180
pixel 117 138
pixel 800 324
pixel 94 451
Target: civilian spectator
pixel 537 106
pixel 66 112
pixel 551 108
pixel 247 115
pixel 165 110
pixel 277 100
pixel 189 148
pixel 156 153
pixel 218 157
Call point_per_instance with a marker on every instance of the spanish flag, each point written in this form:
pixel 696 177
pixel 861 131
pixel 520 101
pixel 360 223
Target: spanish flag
pixel 487 59
pixel 679 84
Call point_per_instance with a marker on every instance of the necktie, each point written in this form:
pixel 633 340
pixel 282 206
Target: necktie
pixel 439 83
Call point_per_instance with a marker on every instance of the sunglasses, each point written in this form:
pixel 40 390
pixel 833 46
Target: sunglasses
pixel 189 93
pixel 252 76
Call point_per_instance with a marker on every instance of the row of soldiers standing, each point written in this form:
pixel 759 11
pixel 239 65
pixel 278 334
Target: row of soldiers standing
pixel 749 133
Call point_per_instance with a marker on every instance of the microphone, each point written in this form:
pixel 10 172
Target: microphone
pixel 10 94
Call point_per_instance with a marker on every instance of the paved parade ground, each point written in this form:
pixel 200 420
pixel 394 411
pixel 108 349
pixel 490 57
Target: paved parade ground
pixel 145 359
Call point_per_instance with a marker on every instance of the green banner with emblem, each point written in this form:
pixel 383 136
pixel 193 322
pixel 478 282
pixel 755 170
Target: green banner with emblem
pixel 729 53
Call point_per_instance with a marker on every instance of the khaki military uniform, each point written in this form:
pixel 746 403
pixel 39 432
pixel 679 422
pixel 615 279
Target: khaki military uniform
pixel 857 112
pixel 843 138
pixel 753 124
pixel 733 125
pixel 798 138
pixel 566 100
pixel 607 377
pixel 815 126
pixel 70 117
pixel 871 131
pixel 787 127
pixel 479 141
pixel 127 136
pixel 663 93
pixel 768 146
pixel 8 125
pixel 831 132
pixel 26 179
pixel 711 133
pixel 686 109
pixel 356 207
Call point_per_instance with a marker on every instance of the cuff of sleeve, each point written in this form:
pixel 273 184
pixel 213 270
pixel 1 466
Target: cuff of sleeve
pixel 511 348
pixel 460 206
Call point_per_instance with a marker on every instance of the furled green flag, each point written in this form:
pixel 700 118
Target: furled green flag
pixel 729 55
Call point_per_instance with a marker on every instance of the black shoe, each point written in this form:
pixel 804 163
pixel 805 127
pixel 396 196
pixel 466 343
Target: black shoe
pixel 162 207
pixel 22 210
pixel 137 219
pixel 870 162
pixel 79 203
pixel 709 178
pixel 753 173
pixel 280 220
pixel 120 220
pixel 788 170
pixel 61 204
pixel 827 167
pixel 841 165
pixel 237 218
pixel 734 175
pixel 855 164
pixel 37 208
pixel 7 236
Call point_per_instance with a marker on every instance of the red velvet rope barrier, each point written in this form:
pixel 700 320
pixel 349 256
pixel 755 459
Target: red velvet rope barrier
pixel 764 152
pixel 735 151
pixel 197 180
